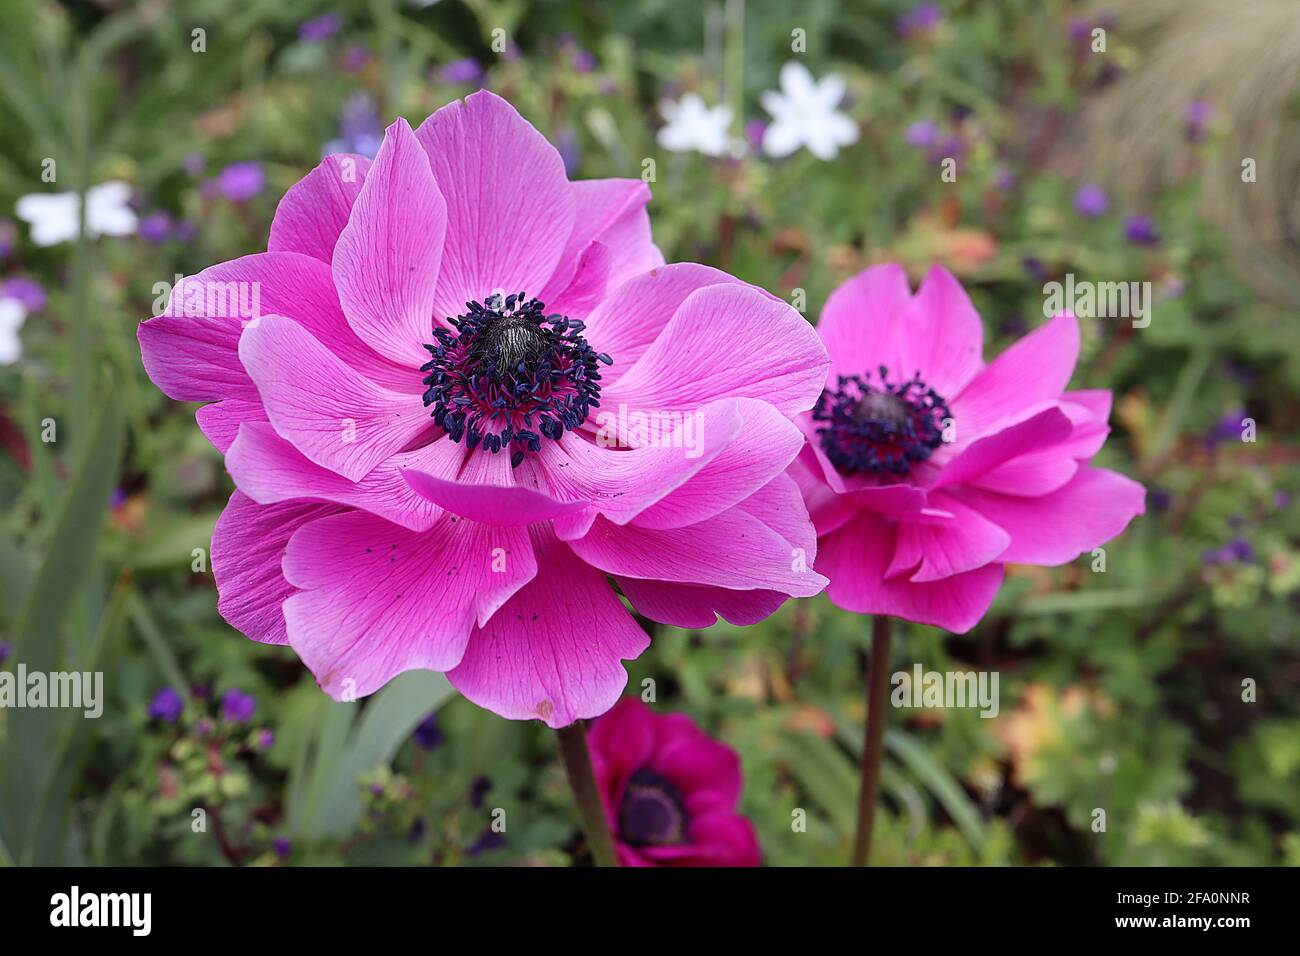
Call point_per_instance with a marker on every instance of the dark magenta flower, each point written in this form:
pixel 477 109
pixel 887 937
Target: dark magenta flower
pixel 6 650
pixel 927 471
pixel 281 847
pixel 478 791
pixel 1141 231
pixel 27 292
pixel 1091 201
pixel 236 706
pixel 166 705
pixel 264 739
pixel 240 182
pixel 670 791
pixel 319 29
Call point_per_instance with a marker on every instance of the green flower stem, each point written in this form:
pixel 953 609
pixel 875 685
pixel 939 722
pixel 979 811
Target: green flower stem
pixel 586 796
pixel 873 748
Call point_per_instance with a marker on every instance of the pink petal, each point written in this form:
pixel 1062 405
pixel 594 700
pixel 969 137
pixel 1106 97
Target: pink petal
pixel 589 285
pixel 943 337
pixel 191 351
pixel 386 262
pixel 856 557
pixel 269 469
pixel 220 421
pixel 862 321
pixel 500 505
pixel 510 209
pixel 314 211
pixel 611 211
pixel 378 599
pixel 732 550
pixel 1056 528
pixel 940 547
pixel 554 651
pixel 765 444
pixel 247 545
pixel 333 415
pixel 1035 369
pixel 1032 475
pixel 1038 432
pixel 694 606
pixel 636 312
pixel 726 341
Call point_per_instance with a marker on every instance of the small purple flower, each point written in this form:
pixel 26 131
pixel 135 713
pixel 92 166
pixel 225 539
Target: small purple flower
pixel 478 791
pixel 240 182
pixel 194 164
pixel 923 16
pixel 203 727
pixel 1091 201
pixel 355 57
pixel 236 706
pixel 6 650
pixel 428 734
pixel 921 133
pixel 583 61
pixel 1004 179
pixel 1078 29
pixel 754 130
pixel 466 72
pixel 1141 230
pixel 264 739
pixel 155 227
pixel 117 499
pixel 1281 501
pixel 166 705
pixel 1036 268
pixel 186 231
pixel 319 29
pixel 360 130
pixel 8 237
pixel 417 831
pixel 27 291
pixel 1242 550
pixel 1227 428
pixel 281 847
pixel 1197 118
pixel 487 841
pixel 1159 499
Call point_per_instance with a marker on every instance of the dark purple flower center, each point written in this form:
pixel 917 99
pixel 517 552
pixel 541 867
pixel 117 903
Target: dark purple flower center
pixel 881 428
pixel 652 813
pixel 510 375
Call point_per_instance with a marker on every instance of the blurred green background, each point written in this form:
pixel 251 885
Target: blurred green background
pixel 1120 690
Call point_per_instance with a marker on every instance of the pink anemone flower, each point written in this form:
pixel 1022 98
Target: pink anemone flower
pixel 406 389
pixel 927 471
pixel 670 790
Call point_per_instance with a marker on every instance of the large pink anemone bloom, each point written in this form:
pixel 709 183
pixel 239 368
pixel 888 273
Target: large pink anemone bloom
pixel 670 790
pixel 926 471
pixel 405 386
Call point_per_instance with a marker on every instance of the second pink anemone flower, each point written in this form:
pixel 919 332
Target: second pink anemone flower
pixel 927 471
pixel 406 388
pixel 669 790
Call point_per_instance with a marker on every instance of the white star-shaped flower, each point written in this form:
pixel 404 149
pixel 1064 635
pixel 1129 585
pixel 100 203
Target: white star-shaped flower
pixel 804 114
pixel 12 316
pixel 694 125
pixel 54 217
